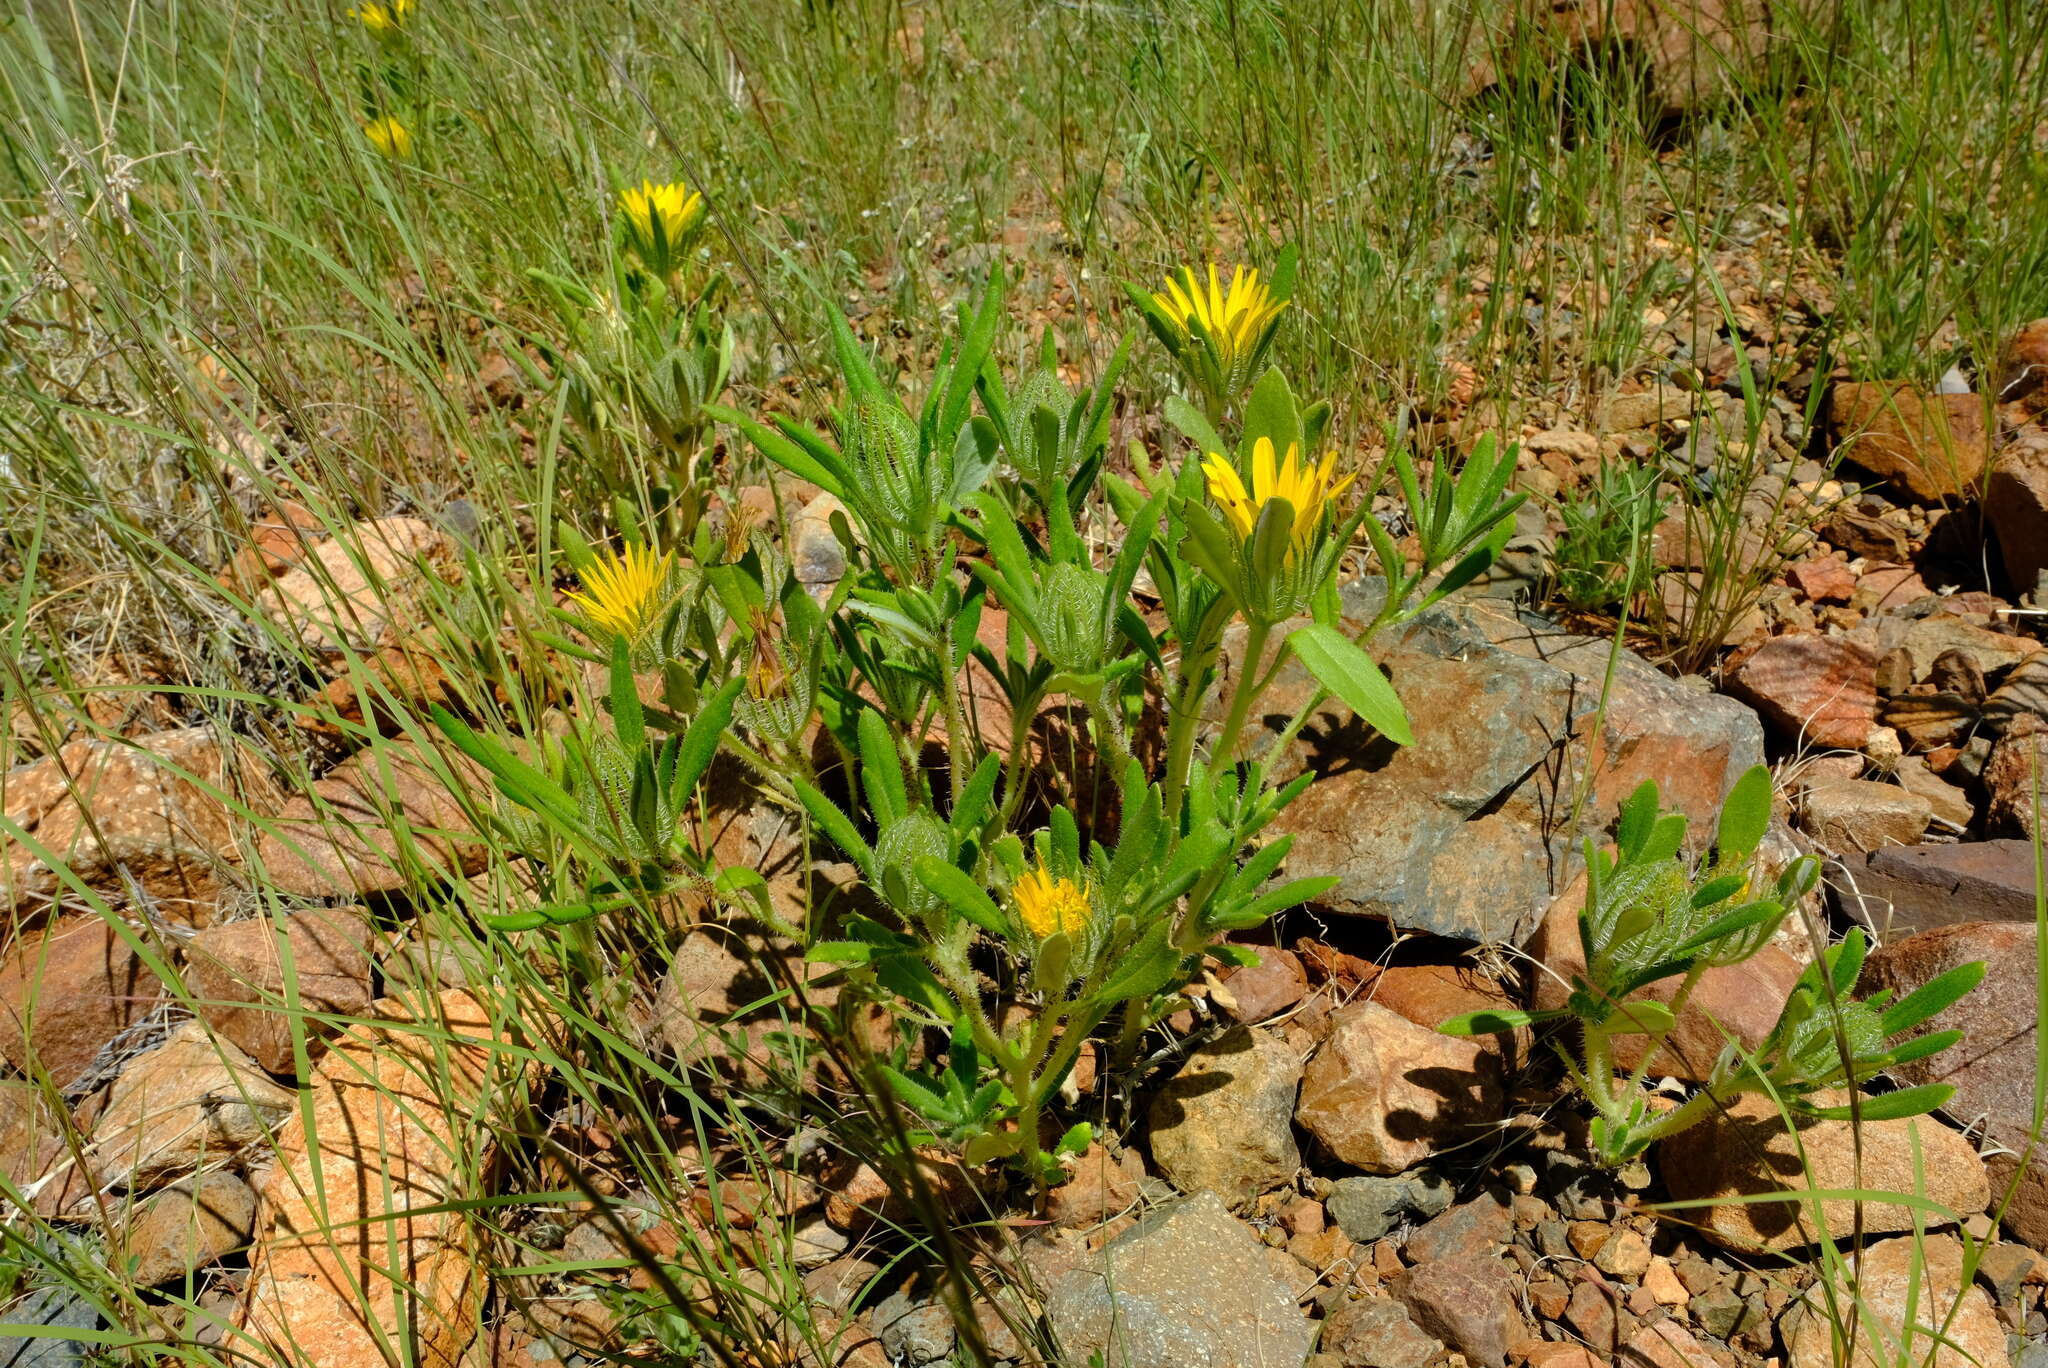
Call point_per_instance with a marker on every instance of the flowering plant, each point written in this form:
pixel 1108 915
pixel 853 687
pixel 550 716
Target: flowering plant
pixel 992 557
pixel 642 358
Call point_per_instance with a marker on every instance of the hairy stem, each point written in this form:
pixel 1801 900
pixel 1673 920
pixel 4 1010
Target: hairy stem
pixel 1245 691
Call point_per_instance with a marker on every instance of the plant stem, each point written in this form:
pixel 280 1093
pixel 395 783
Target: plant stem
pixel 1111 728
pixel 1243 692
pixel 1186 712
pixel 1013 770
pixel 956 730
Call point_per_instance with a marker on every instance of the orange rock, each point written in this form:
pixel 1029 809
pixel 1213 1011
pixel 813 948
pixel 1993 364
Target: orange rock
pixel 1929 447
pixel 237 973
pixel 2022 375
pixel 1811 688
pixel 65 991
pixel 190 1102
pixel 355 587
pixel 347 1273
pixel 156 811
pixel 1383 1094
pixel 380 820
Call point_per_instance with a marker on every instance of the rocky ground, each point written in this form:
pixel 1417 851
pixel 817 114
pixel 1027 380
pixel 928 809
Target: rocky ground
pixel 1315 1174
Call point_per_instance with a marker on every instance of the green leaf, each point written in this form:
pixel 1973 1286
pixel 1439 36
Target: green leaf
pixel 840 952
pixel 1145 968
pixel 962 894
pixel 1932 997
pixel 628 721
pixel 1921 1047
pixel 1744 918
pixel 1891 1106
pixel 519 781
pixel 1271 542
pixel 1195 427
pixel 1667 836
pixel 1123 572
pixel 880 773
pixel 1209 548
pixel 918 1095
pixel 1469 568
pixel 1745 815
pixel 1638 815
pixel 1492 1020
pixel 802 454
pixel 975 342
pixel 837 826
pixel 564 914
pixel 1272 413
pixel 700 743
pixel 1641 1016
pixel 1052 963
pixel 1290 894
pixel 1342 666
pixel 975 456
pixel 989 1146
pixel 1076 1140
pixel 1717 890
pixel 972 810
pixel 1845 962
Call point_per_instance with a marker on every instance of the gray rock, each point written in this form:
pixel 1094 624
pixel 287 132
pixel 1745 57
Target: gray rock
pixel 1717 1311
pixel 1906 889
pixel 1366 1208
pixel 1225 1124
pixel 1458 835
pixel 1189 1287
pixel 913 1331
pixel 1377 1332
pixel 818 557
pixel 52 1308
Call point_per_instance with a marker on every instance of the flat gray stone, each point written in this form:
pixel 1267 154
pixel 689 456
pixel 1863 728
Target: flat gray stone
pixel 1188 1287
pixel 54 1308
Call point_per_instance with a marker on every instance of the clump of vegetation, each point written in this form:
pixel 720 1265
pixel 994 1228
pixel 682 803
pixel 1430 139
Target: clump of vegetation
pixel 1602 556
pixel 259 266
pixel 1652 915
pixel 1080 919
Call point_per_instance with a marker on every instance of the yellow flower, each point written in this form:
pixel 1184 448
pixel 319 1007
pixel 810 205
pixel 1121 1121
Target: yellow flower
pixel 1233 320
pixel 1047 903
pixel 658 220
pixel 1309 489
pixel 383 20
pixel 623 595
pixel 389 137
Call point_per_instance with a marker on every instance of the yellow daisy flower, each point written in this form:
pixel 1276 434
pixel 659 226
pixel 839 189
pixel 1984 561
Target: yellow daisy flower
pixel 1047 903
pixel 1232 319
pixel 383 20
pixel 659 218
pixel 389 137
pixel 623 595
pixel 1308 488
